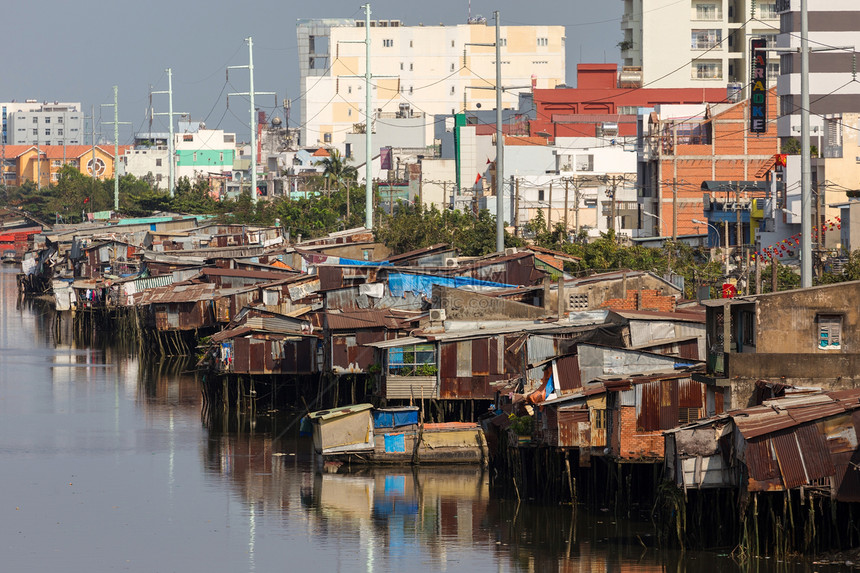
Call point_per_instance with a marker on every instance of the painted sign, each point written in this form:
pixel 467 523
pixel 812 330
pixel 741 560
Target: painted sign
pixel 758 99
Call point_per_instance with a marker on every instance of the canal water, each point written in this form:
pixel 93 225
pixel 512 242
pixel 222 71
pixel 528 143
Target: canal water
pixel 107 463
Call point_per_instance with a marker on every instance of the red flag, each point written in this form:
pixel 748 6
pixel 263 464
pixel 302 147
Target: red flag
pixel 478 178
pixel 87 200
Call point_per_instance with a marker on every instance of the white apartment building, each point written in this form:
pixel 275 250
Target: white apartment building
pixel 418 70
pixel 42 123
pixel 696 43
pixel 832 23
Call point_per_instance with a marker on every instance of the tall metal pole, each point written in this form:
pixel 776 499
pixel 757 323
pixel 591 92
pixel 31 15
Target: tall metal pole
pixel 116 124
pixel 253 122
pixel 253 125
pixel 368 103
pixel 171 144
pixel 805 160
pixel 500 147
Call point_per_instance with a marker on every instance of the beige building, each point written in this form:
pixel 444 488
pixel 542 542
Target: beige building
pixel 419 71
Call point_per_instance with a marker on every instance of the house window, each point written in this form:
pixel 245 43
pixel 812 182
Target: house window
pixel 772 71
pixel 412 360
pixel 48 131
pixel 158 162
pixel 56 163
pixel 706 39
pixel 708 12
pixel 401 66
pixel 35 132
pixel 829 331
pixel 194 157
pixel 503 42
pixel 707 70
pixel 60 119
pixel 60 131
pixel 578 301
pixel 47 143
pixel 452 90
pixel 540 194
pixel 687 415
pixel 47 119
pixel 327 137
pixel 410 67
pixel 452 66
pixel 542 41
pixel 230 138
pixel 387 43
pixel 35 119
pixel 767 12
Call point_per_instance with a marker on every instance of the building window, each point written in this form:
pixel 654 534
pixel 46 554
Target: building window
pixel 401 66
pixel 47 143
pixel 772 71
pixel 48 131
pixel 229 138
pixel 503 42
pixel 540 194
pixel 327 137
pixel 452 90
pixel 194 157
pixel 349 112
pixel 410 43
pixel 705 39
pixel 56 163
pixel 187 137
pixel 387 43
pixel 767 12
pixel 60 119
pixel 60 131
pixel 829 331
pixel 410 67
pixel 410 90
pixel 542 41
pixel 413 360
pixel 158 162
pixel 708 11
pixel 221 157
pixel 35 132
pixel 707 70
pixel 35 119
pixel 47 119
pixel 452 66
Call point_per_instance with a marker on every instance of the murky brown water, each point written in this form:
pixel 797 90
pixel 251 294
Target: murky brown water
pixel 106 464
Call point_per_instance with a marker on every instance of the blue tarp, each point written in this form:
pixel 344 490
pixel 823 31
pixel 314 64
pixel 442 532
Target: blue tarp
pixel 395 443
pixel 359 263
pixel 400 283
pixel 394 419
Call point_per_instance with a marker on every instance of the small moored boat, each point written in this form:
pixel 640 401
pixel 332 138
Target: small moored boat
pixel 362 434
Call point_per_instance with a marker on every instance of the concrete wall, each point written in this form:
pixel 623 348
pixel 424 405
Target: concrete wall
pixel 786 322
pixel 464 305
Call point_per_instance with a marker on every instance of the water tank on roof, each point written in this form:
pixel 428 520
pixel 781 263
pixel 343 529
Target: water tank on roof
pixel 276 121
pixel 630 77
pixel 735 92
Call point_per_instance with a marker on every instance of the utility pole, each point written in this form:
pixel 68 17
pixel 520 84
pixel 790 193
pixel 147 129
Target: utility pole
pixel 549 211
pixel 805 150
pixel 674 209
pixel 368 105
pixel 250 93
pixel 171 145
pixel 516 206
pixel 613 182
pixel 116 124
pixel 500 148
pixel 566 182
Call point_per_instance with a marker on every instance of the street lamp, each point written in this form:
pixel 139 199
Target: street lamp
pixel 658 217
pixel 716 230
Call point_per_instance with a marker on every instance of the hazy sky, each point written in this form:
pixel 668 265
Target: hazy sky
pixel 77 51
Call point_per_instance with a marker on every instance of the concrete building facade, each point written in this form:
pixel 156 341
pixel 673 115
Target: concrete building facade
pixel 697 43
pixel 42 123
pixel 425 70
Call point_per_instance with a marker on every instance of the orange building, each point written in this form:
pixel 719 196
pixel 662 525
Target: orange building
pixel 42 165
pixel 680 154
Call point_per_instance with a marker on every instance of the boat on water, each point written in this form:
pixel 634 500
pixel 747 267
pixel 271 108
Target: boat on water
pixel 362 434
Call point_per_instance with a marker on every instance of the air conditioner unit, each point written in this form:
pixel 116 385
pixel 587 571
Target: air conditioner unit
pixel 437 315
pixel 511 251
pixel 451 262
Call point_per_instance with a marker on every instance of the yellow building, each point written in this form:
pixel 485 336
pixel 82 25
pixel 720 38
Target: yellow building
pixel 42 164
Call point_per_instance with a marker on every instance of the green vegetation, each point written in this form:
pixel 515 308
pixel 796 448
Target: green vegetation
pixel 322 211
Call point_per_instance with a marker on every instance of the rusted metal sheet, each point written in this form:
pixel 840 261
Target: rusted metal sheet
pixel 480 357
pixel 648 406
pixel 668 404
pixel 464 358
pixel 241 355
pixel 256 355
pixel 815 454
pixel 568 373
pixel 689 349
pixel 690 393
pixel 497 353
pixel 331 277
pixel 789 459
pixel 761 459
pixel 574 427
pixel 448 359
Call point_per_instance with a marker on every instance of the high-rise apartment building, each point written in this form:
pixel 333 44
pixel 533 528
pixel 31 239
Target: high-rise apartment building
pixel 418 71
pixel 42 123
pixel 696 43
pixel 834 36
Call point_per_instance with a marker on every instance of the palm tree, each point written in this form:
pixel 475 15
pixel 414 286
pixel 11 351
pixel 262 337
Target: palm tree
pixel 337 170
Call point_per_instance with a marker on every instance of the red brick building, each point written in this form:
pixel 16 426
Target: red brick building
pixel 599 106
pixel 680 154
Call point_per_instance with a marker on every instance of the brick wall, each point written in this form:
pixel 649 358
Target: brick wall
pixel 645 299
pixel 634 444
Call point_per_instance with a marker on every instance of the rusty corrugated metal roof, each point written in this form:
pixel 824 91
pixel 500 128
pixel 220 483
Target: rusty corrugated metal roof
pixel 784 413
pixel 177 293
pixel 353 319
